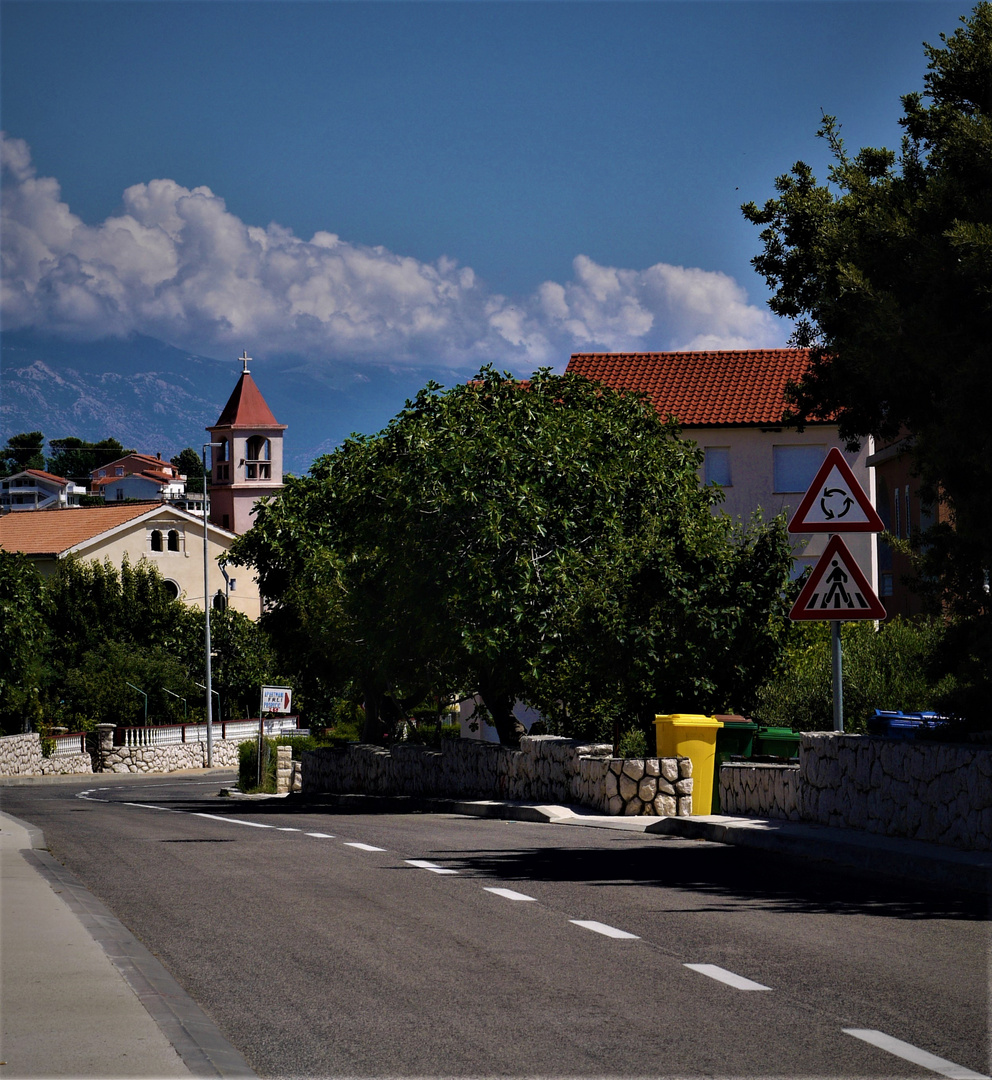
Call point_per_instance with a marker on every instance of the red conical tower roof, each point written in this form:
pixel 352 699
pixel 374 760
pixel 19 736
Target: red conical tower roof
pixel 246 408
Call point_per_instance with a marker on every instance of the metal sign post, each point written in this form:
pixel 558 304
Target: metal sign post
pixel 277 699
pixel 836 590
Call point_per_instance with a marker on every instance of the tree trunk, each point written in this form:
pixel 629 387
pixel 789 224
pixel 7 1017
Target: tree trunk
pixel 500 706
pixel 374 728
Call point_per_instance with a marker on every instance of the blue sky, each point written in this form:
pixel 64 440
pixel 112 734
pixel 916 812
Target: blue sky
pixel 411 182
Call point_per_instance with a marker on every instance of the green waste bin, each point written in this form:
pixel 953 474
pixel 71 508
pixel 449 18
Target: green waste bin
pixel 693 736
pixel 777 742
pixel 734 739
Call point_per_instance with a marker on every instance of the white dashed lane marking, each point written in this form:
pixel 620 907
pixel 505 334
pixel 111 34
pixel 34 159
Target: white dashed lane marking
pixel 363 847
pixel 433 867
pixel 908 1052
pixel 602 928
pixel 321 835
pixel 508 894
pixel 235 821
pixel 728 977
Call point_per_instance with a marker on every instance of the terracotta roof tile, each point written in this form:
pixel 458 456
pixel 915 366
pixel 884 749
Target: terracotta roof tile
pixel 246 408
pixel 46 476
pixel 737 387
pixel 50 532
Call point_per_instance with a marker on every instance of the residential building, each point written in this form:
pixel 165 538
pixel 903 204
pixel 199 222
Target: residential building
pixel 731 404
pixel 905 516
pixel 247 465
pixel 170 538
pixel 34 489
pixel 138 476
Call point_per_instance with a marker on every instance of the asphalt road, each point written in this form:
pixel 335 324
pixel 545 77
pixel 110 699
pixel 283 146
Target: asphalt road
pixel 328 943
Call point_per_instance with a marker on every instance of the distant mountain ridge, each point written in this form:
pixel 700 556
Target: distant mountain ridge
pixel 159 399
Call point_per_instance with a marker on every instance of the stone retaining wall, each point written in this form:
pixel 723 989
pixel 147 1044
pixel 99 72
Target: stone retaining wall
pixel 938 792
pixel 171 758
pixel 546 769
pixel 20 755
pixel 768 791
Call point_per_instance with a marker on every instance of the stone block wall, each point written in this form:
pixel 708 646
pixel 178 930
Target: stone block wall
pixel 767 791
pixel 20 755
pixel 546 769
pixel 163 759
pixel 939 792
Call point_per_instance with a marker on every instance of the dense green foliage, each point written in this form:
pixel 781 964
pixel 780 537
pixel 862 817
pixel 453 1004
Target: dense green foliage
pixel 23 451
pixel 75 458
pixel 547 541
pixel 900 666
pixel 73 642
pixel 887 270
pixel 190 464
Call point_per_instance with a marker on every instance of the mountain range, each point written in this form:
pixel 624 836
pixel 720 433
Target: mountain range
pixel 155 398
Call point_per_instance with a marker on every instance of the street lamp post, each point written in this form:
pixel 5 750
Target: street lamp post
pixel 206 613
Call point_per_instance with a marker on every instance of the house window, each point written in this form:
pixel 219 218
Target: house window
pixel 221 450
pixel 173 540
pixel 156 539
pixel 898 518
pixel 119 471
pixel 219 601
pixel 716 465
pixel 795 466
pixel 886 585
pixel 909 521
pixel 225 522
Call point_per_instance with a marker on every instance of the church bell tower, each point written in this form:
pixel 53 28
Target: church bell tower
pixel 248 463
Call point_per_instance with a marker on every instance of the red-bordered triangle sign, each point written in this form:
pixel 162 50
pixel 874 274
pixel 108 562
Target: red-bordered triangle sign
pixel 837 589
pixel 835 501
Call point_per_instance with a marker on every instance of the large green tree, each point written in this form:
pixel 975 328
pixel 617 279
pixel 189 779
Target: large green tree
pixel 547 541
pixel 76 458
pixel 887 270
pixel 24 643
pixel 23 451
pixel 190 464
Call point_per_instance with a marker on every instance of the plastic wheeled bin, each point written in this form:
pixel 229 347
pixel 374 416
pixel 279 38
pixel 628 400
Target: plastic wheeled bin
pixel 776 742
pixel 894 725
pixel 734 739
pixel 691 735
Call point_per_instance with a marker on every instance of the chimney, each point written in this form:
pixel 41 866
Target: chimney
pixel 159 455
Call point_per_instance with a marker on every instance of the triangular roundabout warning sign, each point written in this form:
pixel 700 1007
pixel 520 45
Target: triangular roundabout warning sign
pixel 835 501
pixel 837 589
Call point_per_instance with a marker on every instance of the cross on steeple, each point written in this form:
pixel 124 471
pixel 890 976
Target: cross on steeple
pixel 244 358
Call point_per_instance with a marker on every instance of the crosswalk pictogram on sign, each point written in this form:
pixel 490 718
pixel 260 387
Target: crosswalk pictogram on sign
pixel 837 589
pixel 835 501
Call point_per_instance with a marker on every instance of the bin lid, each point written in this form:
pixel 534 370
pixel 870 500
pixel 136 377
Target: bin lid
pixel 781 732
pixel 688 719
pixel 734 720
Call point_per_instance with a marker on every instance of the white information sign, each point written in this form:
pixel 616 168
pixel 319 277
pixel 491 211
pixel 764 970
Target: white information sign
pixel 277 699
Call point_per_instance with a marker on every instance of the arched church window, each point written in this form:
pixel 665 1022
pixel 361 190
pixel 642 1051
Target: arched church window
pixel 156 540
pixel 173 540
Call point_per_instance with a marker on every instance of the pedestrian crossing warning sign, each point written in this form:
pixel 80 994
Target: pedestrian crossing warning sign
pixel 835 501
pixel 837 589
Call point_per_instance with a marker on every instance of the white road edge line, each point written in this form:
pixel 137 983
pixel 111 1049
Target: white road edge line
pixel 362 847
pixel 508 894
pixel 914 1054
pixel 149 806
pixel 433 867
pixel 602 928
pixel 235 821
pixel 728 977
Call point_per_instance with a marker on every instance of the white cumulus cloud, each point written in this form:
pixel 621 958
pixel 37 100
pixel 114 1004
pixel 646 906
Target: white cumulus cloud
pixel 175 264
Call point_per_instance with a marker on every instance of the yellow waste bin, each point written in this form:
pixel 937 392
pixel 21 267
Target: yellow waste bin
pixel 693 736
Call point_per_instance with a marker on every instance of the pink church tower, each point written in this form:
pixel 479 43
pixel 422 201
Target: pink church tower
pixel 248 463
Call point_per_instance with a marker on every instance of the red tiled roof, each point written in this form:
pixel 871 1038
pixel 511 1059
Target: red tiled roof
pixel 246 408
pixel 46 476
pixel 49 532
pixel 743 386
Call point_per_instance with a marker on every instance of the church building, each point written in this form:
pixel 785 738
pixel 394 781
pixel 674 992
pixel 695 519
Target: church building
pixel 247 464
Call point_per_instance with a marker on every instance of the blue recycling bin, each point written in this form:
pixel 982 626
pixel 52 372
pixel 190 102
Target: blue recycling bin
pixel 900 725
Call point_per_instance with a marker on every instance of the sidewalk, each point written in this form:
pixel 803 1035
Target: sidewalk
pixel 80 996
pixel 912 861
pixel 930 865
